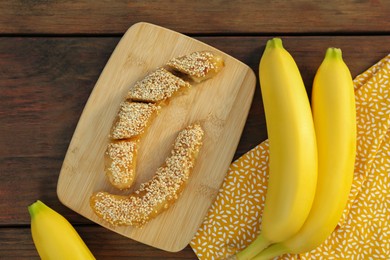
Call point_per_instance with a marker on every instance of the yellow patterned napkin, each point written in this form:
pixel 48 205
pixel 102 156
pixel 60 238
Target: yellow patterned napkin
pixel 363 232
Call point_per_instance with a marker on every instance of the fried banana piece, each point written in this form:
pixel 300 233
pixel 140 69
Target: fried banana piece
pixel 120 162
pixel 156 87
pixel 158 194
pixel 133 119
pixel 198 66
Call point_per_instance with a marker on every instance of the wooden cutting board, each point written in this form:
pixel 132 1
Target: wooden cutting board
pixel 220 104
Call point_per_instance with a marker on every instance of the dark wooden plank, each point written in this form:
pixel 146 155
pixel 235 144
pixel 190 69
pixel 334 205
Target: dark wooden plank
pixel 17 243
pixel 44 86
pixel 25 180
pixel 244 16
pixel 45 83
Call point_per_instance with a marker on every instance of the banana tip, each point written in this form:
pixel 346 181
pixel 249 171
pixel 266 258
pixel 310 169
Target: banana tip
pixel 332 52
pixel 35 207
pixel 274 43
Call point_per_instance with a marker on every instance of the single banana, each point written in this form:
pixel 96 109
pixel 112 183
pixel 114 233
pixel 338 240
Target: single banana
pixel 333 105
pixel 54 237
pixel 292 148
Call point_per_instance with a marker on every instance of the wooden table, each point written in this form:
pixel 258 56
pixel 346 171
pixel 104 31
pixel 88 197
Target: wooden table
pixel 52 53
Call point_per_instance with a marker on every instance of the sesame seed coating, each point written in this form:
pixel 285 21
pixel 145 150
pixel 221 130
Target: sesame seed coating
pixel 132 119
pixel 160 192
pixel 198 65
pixel 120 158
pixel 156 86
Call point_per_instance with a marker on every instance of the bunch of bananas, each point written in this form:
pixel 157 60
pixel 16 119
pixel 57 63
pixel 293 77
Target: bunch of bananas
pixel 312 152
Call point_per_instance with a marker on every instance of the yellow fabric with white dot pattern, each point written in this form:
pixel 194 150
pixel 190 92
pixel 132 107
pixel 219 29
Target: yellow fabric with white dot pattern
pixel 363 232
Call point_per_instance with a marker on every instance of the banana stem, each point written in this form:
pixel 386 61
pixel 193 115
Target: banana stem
pixel 254 248
pixel 271 252
pixel 34 208
pixel 334 53
pixel 274 43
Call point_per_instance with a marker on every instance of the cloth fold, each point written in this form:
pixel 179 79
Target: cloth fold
pixel 234 219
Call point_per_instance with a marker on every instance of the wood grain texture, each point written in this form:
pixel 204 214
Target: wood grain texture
pixel 38 79
pixel 221 17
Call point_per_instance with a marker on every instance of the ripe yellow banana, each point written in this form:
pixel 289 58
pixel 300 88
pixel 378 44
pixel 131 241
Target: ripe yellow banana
pixel 333 104
pixel 292 147
pixel 54 237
